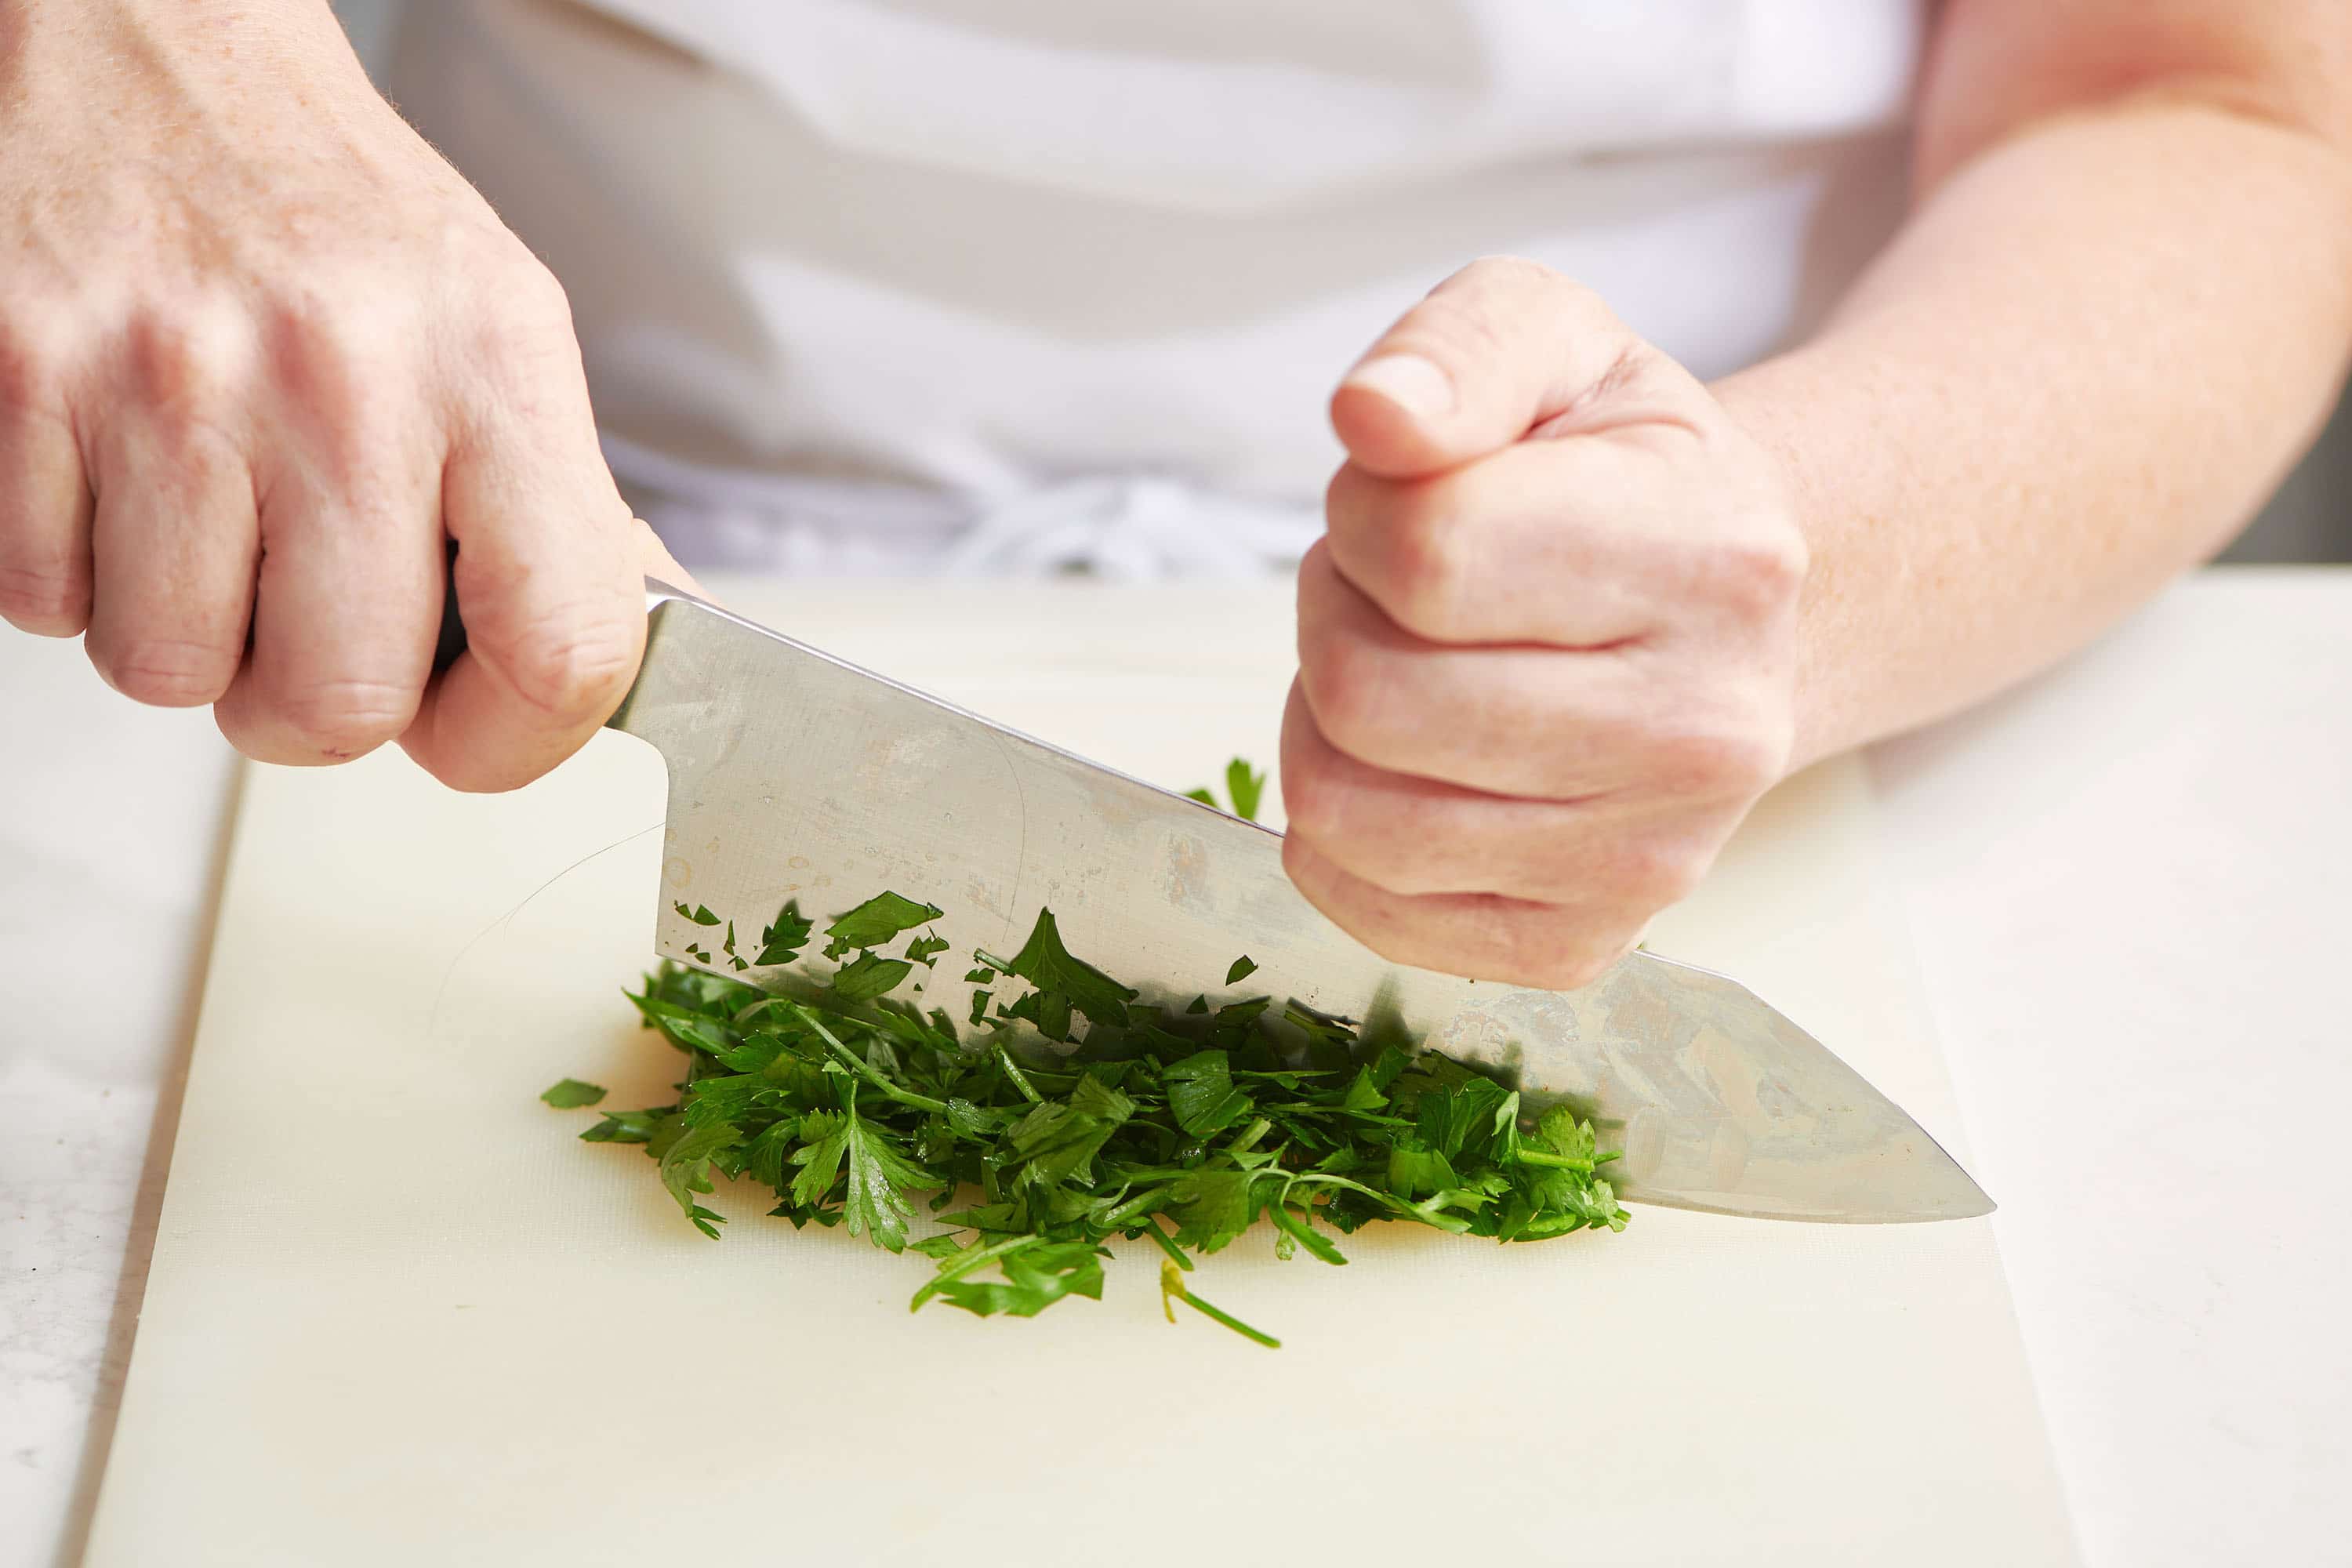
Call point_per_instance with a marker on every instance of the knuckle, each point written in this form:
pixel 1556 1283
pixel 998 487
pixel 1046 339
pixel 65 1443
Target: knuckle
pixel 345 717
pixel 1433 577
pixel 1311 807
pixel 1651 875
pixel 520 303
pixel 1457 331
pixel 166 672
pixel 521 349
pixel 1409 547
pixel 1520 280
pixel 1717 761
pixel 185 353
pixel 568 665
pixel 34 360
pixel 1350 500
pixel 1411 868
pixel 532 283
pixel 1761 572
pixel 1554 960
pixel 1343 690
pixel 50 602
pixel 1503 270
pixel 327 343
pixel 1571 975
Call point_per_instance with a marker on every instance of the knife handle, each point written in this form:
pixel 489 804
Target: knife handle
pixel 453 630
pixel 452 640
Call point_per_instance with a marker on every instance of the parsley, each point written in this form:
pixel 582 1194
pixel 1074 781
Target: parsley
pixel 781 942
pixel 1126 1121
pixel 1244 787
pixel 571 1094
pixel 1046 963
pixel 876 921
pixel 868 976
pixel 878 1177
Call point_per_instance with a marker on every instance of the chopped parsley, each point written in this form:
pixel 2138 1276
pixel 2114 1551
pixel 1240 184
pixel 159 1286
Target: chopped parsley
pixel 1125 1120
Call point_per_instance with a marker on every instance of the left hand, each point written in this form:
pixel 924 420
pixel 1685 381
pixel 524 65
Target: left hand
pixel 1547 646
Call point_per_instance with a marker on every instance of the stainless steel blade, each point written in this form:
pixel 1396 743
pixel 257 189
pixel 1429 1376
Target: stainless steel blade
pixel 794 775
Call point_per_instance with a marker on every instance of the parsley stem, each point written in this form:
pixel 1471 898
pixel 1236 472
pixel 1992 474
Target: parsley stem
pixel 966 1262
pixel 1167 1245
pixel 1542 1157
pixel 1215 1315
pixel 1303 1230
pixel 1020 1080
pixel 864 1069
pixel 1138 1204
pixel 1249 1136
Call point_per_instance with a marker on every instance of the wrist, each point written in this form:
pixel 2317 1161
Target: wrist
pixel 1764 403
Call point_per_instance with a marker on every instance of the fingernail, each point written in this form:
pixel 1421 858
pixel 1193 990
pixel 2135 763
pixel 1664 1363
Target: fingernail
pixel 1411 383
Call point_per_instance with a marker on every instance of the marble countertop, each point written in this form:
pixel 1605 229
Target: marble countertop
pixel 2126 885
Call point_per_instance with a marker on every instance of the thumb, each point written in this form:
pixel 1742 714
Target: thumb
pixel 1499 348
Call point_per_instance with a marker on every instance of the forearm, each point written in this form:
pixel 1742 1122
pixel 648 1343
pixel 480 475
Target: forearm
pixel 2079 369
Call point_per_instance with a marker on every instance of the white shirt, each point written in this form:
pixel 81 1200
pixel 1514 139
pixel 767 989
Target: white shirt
pixel 1025 283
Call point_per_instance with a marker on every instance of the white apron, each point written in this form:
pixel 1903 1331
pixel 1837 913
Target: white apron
pixel 1022 285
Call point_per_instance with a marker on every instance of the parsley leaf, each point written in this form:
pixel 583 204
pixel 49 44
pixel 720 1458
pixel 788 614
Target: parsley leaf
pixel 869 976
pixel 685 1166
pixel 876 921
pixel 569 1094
pixel 1244 786
pixel 782 940
pixel 1034 1277
pixel 878 1175
pixel 1202 1093
pixel 1048 965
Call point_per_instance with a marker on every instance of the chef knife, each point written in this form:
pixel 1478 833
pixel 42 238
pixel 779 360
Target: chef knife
pixel 794 775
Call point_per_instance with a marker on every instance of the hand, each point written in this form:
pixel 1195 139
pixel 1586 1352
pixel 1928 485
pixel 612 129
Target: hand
pixel 259 349
pixel 1547 648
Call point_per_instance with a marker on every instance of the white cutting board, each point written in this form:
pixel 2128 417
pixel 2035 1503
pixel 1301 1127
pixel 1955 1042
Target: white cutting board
pixel 398 1315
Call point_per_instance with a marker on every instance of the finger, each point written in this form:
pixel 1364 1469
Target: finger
pixel 345 608
pixel 173 545
pixel 1498 349
pixel 45 502
pixel 1541 723
pixel 1478 935
pixel 1410 835
pixel 1572 543
pixel 344 622
pixel 550 584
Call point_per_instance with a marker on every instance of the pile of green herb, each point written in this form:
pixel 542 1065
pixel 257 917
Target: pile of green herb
pixel 1106 1117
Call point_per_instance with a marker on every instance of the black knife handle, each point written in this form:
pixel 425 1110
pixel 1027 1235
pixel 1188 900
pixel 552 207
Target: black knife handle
pixel 453 630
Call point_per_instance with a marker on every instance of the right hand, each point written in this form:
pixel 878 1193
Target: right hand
pixel 260 350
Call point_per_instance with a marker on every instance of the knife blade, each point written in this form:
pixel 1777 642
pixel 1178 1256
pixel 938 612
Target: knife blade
pixel 795 775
